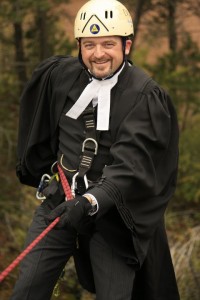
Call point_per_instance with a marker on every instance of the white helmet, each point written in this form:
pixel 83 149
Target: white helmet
pixel 103 18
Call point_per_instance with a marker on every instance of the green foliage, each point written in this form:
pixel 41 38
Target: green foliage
pixel 189 166
pixel 179 73
pixel 41 33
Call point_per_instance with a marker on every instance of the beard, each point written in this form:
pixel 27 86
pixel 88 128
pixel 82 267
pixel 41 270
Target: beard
pixel 100 69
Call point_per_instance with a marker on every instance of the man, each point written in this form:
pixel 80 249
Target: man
pixel 114 133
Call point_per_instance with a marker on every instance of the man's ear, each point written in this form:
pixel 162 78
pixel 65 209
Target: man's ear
pixel 78 42
pixel 128 46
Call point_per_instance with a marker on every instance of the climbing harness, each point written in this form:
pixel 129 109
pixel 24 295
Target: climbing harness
pixel 89 151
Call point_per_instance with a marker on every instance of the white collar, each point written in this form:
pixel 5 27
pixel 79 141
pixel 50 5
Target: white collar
pixel 100 89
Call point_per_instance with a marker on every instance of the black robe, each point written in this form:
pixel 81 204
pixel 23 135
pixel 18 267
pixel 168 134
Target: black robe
pixel 141 179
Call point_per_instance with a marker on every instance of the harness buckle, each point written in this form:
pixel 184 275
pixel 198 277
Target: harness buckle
pixel 85 146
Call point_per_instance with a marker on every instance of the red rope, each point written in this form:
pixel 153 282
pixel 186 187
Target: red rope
pixel 21 256
pixel 27 250
pixel 65 184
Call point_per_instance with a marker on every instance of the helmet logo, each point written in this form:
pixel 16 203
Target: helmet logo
pixel 94 28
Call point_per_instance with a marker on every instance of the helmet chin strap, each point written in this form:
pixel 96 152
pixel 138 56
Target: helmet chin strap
pixel 112 74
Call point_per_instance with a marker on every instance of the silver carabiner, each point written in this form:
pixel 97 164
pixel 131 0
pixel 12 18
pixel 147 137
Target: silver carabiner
pixel 44 179
pixel 74 183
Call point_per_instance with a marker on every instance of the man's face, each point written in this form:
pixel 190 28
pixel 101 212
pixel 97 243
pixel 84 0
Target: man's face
pixel 103 55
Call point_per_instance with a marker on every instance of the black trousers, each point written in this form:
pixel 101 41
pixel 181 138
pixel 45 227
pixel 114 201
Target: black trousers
pixel 41 268
pixel 113 277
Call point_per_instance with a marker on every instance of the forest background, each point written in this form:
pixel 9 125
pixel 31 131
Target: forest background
pixel 167 46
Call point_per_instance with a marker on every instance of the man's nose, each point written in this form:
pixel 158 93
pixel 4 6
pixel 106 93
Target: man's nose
pixel 98 51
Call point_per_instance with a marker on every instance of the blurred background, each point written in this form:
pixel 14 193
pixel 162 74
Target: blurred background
pixel 167 46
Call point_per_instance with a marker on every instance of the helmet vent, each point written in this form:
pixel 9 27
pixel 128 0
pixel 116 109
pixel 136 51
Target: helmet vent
pixel 107 15
pixel 82 17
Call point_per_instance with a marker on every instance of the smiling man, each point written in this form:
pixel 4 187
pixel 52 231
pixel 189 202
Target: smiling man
pixel 113 131
pixel 103 56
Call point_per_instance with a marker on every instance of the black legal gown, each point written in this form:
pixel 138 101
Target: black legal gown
pixel 140 179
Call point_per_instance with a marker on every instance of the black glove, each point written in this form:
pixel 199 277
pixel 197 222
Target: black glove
pixel 71 212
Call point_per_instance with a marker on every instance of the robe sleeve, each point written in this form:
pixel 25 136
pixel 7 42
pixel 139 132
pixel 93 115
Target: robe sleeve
pixel 142 177
pixel 34 125
pixel 41 104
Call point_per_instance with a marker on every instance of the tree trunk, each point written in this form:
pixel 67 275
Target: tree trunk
pixel 172 5
pixel 42 37
pixel 139 8
pixel 19 54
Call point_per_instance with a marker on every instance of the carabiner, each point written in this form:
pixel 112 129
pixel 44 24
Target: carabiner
pixel 74 183
pixel 43 183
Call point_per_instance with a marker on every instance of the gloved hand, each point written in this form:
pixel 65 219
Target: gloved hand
pixel 71 212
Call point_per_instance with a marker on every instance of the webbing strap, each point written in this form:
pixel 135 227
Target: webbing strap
pixel 89 149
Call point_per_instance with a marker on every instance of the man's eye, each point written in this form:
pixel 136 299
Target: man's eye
pixel 88 46
pixel 109 45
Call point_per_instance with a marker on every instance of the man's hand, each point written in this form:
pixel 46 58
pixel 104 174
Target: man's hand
pixel 71 212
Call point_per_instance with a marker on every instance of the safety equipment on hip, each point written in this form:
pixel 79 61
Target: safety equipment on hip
pixel 103 18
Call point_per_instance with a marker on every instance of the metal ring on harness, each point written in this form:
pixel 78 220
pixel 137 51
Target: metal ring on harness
pixel 52 167
pixel 91 140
